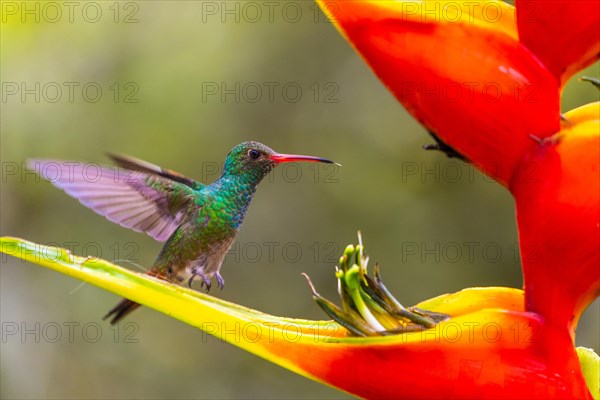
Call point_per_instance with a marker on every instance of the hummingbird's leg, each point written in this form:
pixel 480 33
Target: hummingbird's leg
pixel 220 281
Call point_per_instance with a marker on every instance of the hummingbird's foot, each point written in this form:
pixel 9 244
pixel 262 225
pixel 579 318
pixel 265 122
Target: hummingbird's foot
pixel 220 281
pixel 205 280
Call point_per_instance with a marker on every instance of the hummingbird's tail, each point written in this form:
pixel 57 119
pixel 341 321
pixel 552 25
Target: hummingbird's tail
pixel 126 306
pixel 119 311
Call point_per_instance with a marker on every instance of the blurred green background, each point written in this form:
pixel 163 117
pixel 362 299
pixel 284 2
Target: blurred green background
pixel 178 83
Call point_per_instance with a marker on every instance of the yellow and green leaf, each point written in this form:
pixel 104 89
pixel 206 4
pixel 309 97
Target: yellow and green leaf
pixel 489 343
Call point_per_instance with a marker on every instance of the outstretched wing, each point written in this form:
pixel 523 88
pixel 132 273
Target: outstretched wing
pixel 135 164
pixel 136 194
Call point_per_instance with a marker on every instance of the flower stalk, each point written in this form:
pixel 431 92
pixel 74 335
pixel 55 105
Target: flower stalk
pixel 368 307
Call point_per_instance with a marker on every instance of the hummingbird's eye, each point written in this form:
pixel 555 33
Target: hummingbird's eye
pixel 254 154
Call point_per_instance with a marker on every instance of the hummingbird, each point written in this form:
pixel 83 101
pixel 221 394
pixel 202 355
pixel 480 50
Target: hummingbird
pixel 197 222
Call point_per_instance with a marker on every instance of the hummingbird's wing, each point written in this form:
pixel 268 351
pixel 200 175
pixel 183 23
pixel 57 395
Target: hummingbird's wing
pixel 139 196
pixel 135 164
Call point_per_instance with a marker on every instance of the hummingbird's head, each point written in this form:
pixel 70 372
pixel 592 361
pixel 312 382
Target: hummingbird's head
pixel 255 160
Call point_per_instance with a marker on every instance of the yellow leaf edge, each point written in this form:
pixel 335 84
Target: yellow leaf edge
pixel 173 300
pixel 196 308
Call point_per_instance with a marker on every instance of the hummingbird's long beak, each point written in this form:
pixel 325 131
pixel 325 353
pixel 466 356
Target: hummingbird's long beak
pixel 281 158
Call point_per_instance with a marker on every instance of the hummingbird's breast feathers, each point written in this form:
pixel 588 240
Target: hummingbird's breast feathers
pixel 230 197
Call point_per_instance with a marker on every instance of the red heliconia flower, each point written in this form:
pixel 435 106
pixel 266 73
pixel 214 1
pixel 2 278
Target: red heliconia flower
pixel 486 78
